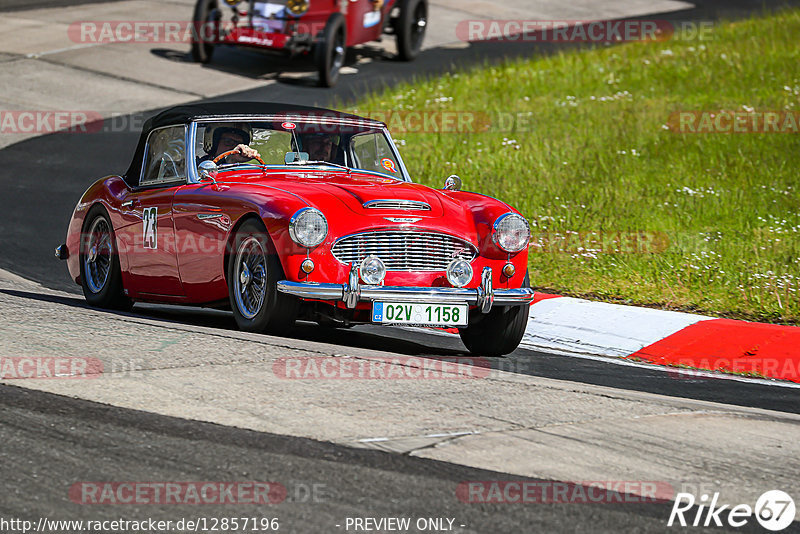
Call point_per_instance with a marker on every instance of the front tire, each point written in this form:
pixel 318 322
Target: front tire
pixel 101 276
pixel 329 51
pixel 498 332
pixel 253 274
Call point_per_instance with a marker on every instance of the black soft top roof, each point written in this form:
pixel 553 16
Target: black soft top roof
pixel 187 113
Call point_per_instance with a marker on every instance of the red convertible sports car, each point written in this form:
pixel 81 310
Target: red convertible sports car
pixel 323 224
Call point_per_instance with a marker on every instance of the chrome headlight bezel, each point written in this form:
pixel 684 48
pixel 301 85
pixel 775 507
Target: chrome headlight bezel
pixel 367 277
pixel 302 217
pixel 451 276
pixel 497 230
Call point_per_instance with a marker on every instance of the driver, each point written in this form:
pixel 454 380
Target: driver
pixel 320 147
pixel 222 138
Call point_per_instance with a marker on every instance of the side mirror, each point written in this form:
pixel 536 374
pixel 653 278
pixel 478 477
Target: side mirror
pixel 295 157
pixel 453 183
pixel 207 171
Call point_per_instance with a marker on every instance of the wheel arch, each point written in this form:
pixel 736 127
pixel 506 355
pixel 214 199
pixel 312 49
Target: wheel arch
pixel 247 216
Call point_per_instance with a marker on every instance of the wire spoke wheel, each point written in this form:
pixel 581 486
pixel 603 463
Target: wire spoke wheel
pixel 97 258
pixel 250 277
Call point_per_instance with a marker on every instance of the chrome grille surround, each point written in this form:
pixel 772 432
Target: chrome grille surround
pixel 404 250
pixel 396 204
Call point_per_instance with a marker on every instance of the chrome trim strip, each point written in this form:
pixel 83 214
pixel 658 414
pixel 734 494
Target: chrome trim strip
pixel 397 204
pixel 191 159
pixel 293 118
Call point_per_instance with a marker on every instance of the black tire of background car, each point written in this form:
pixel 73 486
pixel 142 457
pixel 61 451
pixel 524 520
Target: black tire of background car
pixel 325 56
pixel 498 332
pixel 278 310
pixel 111 296
pixel 409 34
pixel 204 11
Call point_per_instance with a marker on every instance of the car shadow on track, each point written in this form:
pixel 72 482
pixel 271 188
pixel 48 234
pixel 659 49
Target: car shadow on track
pixel 395 340
pixel 258 65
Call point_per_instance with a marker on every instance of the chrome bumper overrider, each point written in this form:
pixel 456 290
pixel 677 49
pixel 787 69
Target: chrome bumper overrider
pixel 353 292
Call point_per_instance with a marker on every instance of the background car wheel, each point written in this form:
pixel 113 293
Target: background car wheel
pixel 253 274
pixel 498 332
pixel 101 277
pixel 205 12
pixel 410 28
pixel 330 49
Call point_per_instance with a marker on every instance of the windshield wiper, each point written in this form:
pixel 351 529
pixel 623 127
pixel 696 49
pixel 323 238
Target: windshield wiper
pixel 319 162
pixel 229 165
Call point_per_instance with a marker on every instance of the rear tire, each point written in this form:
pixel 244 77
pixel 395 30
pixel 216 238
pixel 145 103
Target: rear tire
pixel 101 276
pixel 410 27
pixel 330 50
pixel 498 332
pixel 205 12
pixel 253 274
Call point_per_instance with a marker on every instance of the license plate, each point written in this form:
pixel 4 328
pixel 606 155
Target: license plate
pixel 420 314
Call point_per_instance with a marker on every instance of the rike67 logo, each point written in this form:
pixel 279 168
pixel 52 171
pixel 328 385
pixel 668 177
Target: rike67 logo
pixel 774 510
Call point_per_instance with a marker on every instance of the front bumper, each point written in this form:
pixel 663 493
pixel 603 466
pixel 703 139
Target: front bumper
pixel 351 293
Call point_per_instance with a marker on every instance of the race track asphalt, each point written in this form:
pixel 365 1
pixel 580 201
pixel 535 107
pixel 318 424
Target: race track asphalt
pixel 64 441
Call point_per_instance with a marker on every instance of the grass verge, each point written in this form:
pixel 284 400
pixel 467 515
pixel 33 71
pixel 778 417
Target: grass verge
pixel 622 207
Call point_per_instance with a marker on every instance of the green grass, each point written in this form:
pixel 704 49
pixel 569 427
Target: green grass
pixel 597 156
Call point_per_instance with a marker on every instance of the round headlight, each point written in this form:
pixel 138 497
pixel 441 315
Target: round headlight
pixel 308 227
pixel 373 270
pixel 459 273
pixel 511 232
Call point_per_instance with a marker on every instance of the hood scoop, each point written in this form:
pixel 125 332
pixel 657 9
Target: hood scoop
pixel 397 204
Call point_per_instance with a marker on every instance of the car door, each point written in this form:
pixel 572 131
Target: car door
pixel 203 218
pixel 148 232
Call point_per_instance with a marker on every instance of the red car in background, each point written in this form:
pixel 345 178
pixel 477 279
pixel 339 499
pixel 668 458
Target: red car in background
pixel 324 28
pixel 325 224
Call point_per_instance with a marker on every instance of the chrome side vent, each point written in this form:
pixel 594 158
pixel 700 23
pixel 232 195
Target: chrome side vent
pixel 397 204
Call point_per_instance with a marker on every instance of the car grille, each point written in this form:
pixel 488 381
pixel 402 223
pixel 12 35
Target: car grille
pixel 404 251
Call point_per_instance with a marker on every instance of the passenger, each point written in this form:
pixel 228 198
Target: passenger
pixel 320 147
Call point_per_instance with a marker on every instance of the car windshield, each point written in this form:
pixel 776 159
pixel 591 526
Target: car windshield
pixel 343 146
